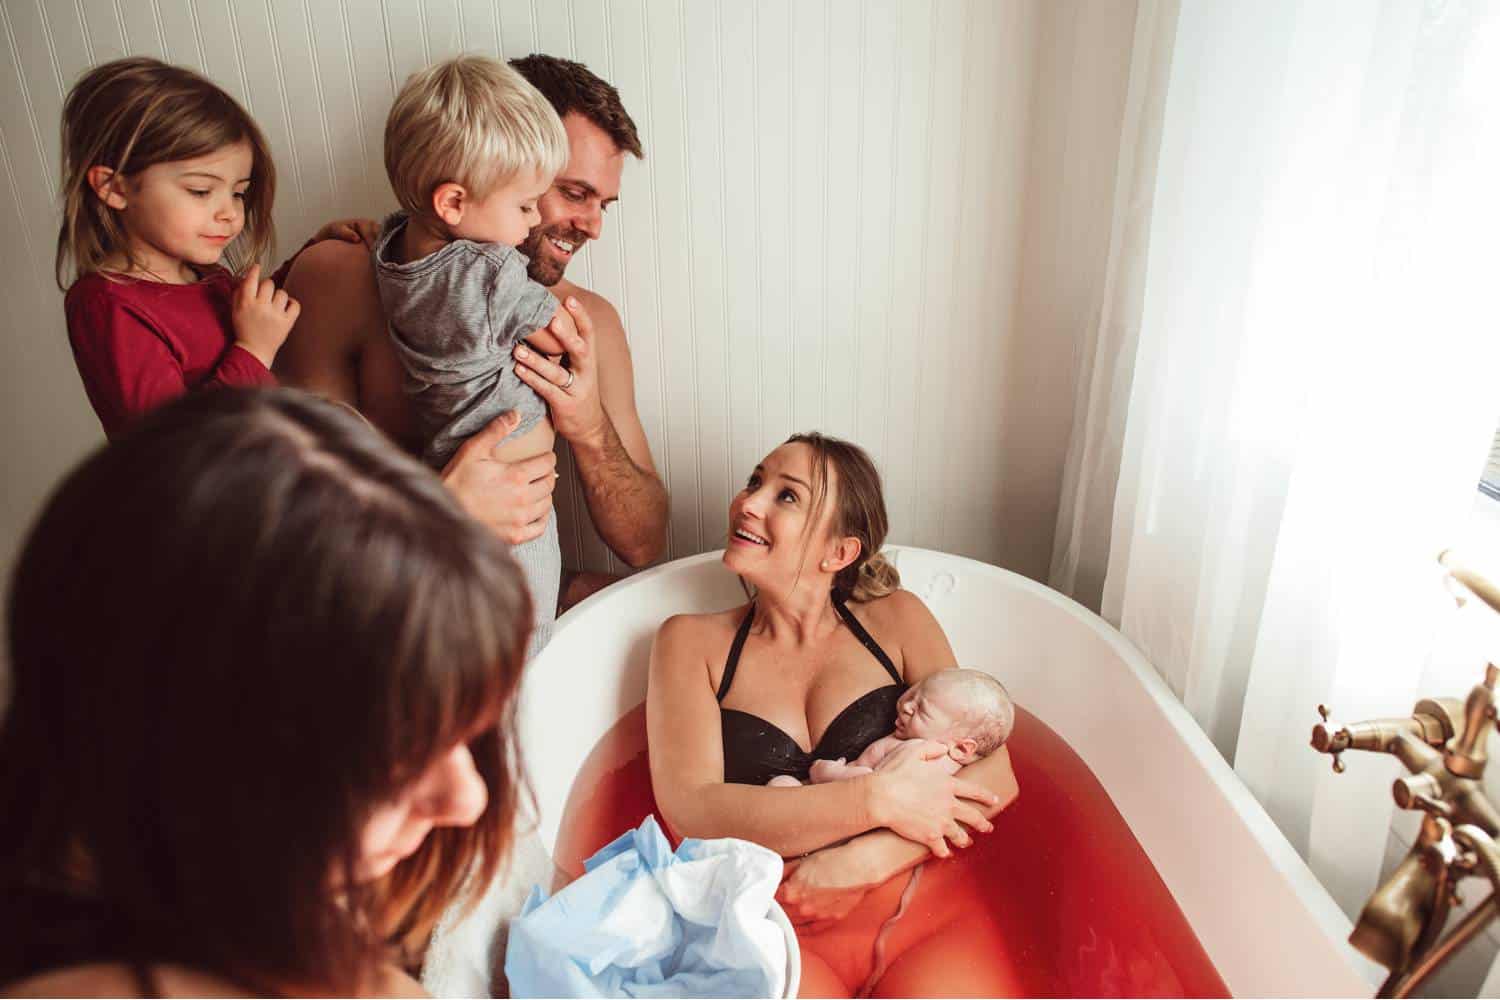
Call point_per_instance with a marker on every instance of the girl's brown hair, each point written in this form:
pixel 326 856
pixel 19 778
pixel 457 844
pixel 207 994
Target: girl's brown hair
pixel 233 633
pixel 859 512
pixel 131 114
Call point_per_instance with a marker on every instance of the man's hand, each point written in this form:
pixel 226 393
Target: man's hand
pixel 577 413
pixel 512 499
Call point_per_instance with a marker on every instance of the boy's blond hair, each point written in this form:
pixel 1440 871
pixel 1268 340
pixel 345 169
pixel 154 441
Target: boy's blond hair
pixel 470 120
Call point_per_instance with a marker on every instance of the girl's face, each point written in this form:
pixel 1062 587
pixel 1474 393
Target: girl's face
pixel 184 211
pixel 449 793
pixel 772 540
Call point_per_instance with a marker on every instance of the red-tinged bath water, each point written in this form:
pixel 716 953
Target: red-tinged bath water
pixel 1060 900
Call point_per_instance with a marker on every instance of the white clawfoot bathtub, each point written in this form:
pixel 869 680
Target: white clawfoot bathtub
pixel 1266 924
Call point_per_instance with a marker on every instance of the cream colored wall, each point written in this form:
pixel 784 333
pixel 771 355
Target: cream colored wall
pixel 878 219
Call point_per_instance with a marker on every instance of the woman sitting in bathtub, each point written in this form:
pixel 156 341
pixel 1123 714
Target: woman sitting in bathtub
pixel 967 712
pixel 258 660
pixel 813 668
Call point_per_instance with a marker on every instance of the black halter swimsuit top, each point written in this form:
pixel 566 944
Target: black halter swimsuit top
pixel 755 751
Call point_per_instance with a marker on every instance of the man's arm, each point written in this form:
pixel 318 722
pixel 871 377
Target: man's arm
pixel 597 416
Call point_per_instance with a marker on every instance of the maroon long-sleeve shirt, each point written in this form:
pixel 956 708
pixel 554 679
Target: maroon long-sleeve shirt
pixel 139 344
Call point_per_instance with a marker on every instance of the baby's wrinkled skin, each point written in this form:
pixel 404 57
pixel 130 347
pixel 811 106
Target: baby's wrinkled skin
pixel 934 710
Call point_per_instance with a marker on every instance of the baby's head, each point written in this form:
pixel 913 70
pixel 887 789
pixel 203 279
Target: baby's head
pixel 469 148
pixel 966 709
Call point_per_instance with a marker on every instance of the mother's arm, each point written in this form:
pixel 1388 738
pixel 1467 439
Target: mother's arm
pixel 827 884
pixel 687 771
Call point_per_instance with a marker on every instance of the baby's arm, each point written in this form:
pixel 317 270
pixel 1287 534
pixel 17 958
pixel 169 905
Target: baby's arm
pixel 878 751
pixel 865 763
pixel 823 771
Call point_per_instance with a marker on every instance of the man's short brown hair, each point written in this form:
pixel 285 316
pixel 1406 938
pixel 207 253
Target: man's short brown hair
pixel 571 86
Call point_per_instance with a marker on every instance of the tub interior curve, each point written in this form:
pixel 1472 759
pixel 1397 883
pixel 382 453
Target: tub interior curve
pixel 1060 900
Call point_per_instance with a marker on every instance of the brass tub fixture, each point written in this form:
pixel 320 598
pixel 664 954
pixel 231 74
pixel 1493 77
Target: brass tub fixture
pixel 1444 745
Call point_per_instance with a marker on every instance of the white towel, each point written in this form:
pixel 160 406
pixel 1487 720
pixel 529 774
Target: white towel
pixel 467 952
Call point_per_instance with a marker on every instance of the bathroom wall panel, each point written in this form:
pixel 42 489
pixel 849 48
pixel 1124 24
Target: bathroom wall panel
pixel 810 245
pixel 825 232
pixel 946 236
pixel 880 83
pixel 518 30
pixel 442 25
pixel 105 33
pixel 735 48
pixel 835 238
pixel 698 80
pixel 664 103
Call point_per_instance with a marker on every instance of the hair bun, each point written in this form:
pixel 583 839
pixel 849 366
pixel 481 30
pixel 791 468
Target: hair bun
pixel 877 577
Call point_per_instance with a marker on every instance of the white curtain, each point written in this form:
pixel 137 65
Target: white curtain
pixel 1287 399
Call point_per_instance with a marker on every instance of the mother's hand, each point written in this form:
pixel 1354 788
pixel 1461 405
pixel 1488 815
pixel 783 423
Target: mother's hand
pixel 824 886
pixel 914 796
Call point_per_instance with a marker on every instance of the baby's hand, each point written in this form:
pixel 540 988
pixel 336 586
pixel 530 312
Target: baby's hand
pixel 263 315
pixel 825 770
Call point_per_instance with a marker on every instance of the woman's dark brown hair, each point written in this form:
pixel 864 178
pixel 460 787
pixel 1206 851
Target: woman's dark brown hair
pixel 131 114
pixel 845 471
pixel 233 632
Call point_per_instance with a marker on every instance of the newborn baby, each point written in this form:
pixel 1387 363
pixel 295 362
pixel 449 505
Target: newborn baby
pixel 967 711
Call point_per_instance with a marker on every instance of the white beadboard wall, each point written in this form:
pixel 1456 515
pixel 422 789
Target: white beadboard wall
pixel 840 203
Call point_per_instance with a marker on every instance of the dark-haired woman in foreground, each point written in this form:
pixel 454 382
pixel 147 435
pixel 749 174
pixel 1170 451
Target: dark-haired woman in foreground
pixel 260 727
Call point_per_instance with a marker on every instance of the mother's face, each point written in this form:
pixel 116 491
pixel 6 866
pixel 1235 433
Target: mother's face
pixel 775 537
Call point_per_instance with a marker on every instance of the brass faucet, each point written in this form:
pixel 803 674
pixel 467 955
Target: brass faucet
pixel 1444 747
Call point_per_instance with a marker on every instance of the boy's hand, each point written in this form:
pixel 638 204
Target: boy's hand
pixel 263 315
pixel 365 231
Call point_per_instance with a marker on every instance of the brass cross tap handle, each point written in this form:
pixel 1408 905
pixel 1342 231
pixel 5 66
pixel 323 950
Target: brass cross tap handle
pixel 1332 740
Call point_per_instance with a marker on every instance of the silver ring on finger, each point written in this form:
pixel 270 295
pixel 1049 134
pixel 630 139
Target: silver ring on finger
pixel 569 383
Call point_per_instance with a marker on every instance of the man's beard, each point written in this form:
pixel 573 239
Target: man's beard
pixel 546 269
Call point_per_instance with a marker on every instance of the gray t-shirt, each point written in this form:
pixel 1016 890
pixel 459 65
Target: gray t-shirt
pixel 454 317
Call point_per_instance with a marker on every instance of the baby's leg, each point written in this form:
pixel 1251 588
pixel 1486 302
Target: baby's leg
pixel 783 781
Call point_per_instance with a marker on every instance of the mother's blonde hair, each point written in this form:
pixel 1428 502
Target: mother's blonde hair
pixel 859 512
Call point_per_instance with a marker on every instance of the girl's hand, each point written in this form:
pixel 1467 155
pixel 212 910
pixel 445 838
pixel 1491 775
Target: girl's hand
pixel 365 231
pixel 263 316
pixel 824 886
pixel 917 799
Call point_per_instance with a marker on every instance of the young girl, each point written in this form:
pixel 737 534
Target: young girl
pixel 162 171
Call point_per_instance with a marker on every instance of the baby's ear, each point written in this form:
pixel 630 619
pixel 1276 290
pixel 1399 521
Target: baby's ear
pixel 963 750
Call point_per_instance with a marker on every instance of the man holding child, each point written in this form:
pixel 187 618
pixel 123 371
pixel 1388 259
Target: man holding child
pixel 341 348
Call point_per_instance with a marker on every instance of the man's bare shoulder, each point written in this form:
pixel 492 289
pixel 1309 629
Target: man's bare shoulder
pixel 336 279
pixel 340 321
pixel 331 259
